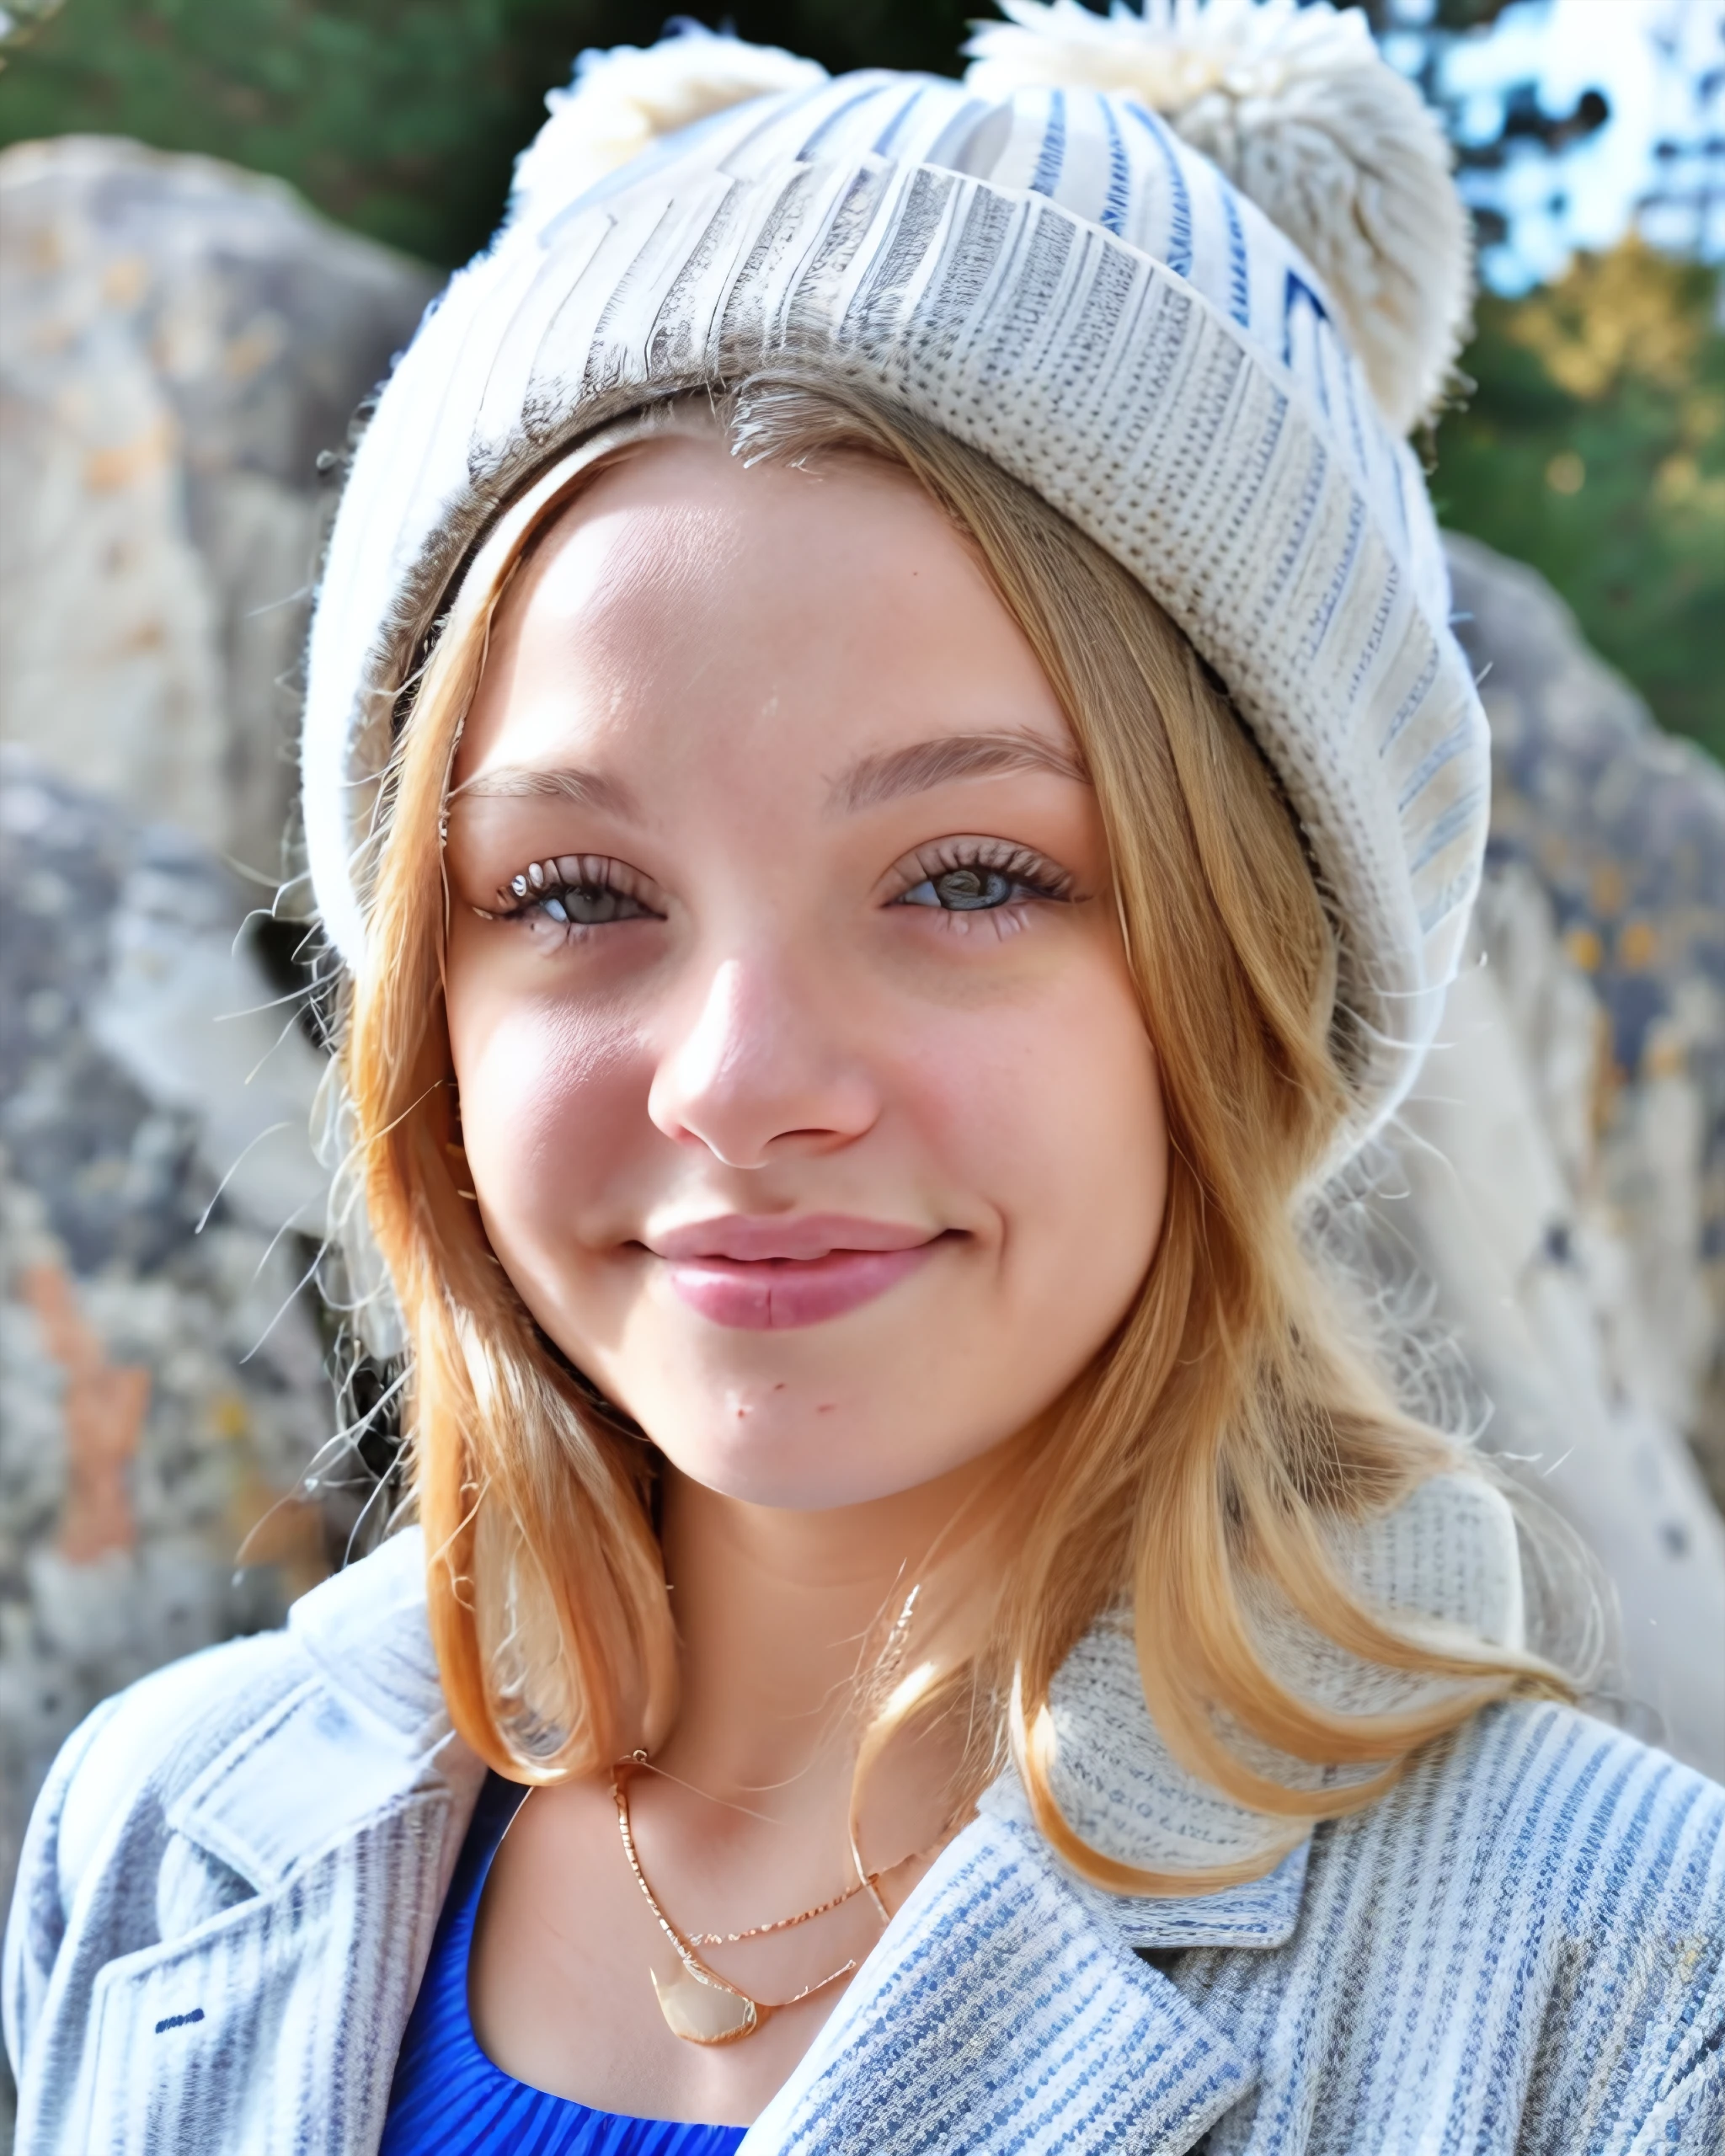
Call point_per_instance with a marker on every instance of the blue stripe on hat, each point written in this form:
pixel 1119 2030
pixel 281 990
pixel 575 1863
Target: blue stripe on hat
pixel 885 140
pixel 1120 195
pixel 1053 154
pixel 1179 250
pixel 833 119
pixel 1239 289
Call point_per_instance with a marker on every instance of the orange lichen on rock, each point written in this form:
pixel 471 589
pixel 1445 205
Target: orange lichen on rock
pixel 104 1408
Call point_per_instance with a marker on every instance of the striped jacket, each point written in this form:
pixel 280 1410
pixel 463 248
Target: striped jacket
pixel 230 1885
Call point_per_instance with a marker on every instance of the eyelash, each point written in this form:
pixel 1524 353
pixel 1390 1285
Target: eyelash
pixel 542 885
pixel 1034 876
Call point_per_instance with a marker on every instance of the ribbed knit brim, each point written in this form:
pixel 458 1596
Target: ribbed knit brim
pixel 1056 279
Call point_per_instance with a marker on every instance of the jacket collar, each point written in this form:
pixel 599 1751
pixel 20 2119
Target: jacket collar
pixel 1445 1557
pixel 995 2010
pixel 1445 1560
pixel 993 2015
pixel 366 1629
pixel 365 1729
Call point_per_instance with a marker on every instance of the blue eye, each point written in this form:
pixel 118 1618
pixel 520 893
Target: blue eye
pixel 590 907
pixel 965 875
pixel 576 891
pixel 963 890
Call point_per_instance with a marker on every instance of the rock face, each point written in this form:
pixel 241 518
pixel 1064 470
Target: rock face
pixel 1606 897
pixel 161 1380
pixel 178 342
pixel 1561 1163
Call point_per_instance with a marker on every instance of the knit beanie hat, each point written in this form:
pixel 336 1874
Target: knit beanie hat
pixel 1190 275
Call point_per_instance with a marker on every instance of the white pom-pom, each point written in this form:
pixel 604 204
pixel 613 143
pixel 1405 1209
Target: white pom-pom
pixel 1299 109
pixel 621 101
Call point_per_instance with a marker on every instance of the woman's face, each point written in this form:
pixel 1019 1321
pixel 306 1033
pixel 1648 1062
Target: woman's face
pixel 806 1096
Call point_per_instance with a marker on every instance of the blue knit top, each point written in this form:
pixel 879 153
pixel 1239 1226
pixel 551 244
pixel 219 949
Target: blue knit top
pixel 448 2100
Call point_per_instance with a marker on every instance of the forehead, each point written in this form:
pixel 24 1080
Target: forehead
pixel 686 599
pixel 682 523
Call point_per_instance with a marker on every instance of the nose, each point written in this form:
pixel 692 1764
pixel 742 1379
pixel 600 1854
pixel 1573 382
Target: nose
pixel 759 1072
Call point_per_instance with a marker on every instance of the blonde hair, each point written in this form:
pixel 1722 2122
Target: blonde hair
pixel 1207 1458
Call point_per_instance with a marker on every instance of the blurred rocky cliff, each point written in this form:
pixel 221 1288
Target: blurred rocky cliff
pixel 1605 916
pixel 1563 1157
pixel 178 342
pixel 161 1384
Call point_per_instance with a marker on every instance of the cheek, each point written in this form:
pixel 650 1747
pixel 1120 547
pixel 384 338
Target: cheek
pixel 545 1098
pixel 1054 1113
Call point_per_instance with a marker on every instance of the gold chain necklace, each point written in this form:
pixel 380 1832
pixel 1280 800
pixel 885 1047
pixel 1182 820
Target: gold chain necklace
pixel 698 2004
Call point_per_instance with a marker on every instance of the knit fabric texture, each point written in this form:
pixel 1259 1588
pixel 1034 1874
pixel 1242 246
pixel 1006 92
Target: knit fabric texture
pixel 234 1875
pixel 1056 279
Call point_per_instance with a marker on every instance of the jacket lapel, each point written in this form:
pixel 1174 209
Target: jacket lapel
pixel 1002 2011
pixel 343 1812
pixel 306 1989
pixel 1257 1913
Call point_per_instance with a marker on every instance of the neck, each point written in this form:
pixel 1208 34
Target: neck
pixel 779 1613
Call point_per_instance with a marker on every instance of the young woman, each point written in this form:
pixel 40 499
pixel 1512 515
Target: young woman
pixel 885 759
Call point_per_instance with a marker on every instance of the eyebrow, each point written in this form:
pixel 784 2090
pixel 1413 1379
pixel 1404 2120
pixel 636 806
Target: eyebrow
pixel 516 782
pixel 888 776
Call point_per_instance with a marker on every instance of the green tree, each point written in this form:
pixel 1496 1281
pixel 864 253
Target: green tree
pixel 1593 446
pixel 399 117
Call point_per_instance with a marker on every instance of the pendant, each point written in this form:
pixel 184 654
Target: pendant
pixel 705 2013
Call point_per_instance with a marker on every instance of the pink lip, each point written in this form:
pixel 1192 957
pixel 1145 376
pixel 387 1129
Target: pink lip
pixel 760 1274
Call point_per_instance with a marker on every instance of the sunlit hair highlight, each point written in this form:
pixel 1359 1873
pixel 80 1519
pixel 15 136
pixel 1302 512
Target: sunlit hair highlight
pixel 1204 1465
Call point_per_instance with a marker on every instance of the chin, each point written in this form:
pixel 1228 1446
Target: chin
pixel 790 1468
pixel 785 1459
